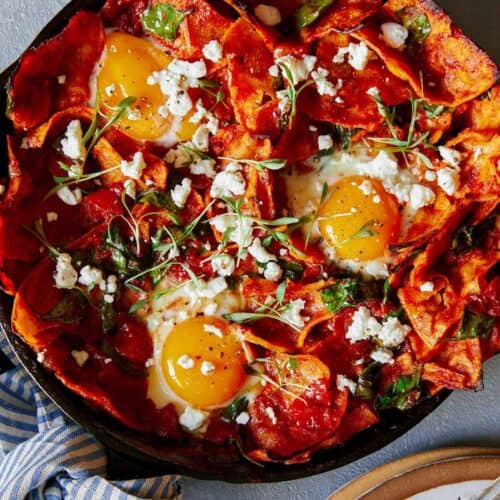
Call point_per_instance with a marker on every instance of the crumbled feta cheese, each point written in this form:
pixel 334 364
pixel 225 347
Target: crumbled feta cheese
pixel 129 188
pixel 2 189
pixel 448 179
pixel 272 271
pixel 185 362
pixel 213 329
pixel 135 167
pixel 267 14
pixel 339 100
pixel 420 196
pixel 373 91
pixel 292 315
pixel 111 284
pixel 149 363
pixel 181 192
pixel 66 275
pixel 393 333
pixel 450 156
pixel 243 418
pixel 61 79
pixel 80 357
pixel 274 71
pixel 108 298
pixel 51 216
pixel 394 35
pixel 241 228
pixel 223 264
pixel 203 167
pixel 210 309
pixel 196 69
pixel 40 356
pixel 325 142
pixel 377 269
pixel 382 355
pixel 366 187
pixel 427 286
pixel 212 51
pixel 192 419
pixel 72 142
pixel 230 182
pixel 90 276
pixel 377 199
pixel 207 368
pixel 272 416
pixel 363 326
pixel 323 86
pixel 357 54
pixel 299 68
pixel 345 383
pixel 259 253
pixel 212 288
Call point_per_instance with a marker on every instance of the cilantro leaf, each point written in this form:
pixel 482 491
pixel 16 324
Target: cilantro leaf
pixel 163 20
pixel 230 412
pixel 340 295
pixel 416 22
pixel 402 394
pixel 475 325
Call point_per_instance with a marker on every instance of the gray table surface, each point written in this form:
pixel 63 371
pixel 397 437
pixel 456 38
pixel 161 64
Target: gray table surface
pixel 464 419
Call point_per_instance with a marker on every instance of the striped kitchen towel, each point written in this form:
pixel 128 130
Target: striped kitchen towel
pixel 42 456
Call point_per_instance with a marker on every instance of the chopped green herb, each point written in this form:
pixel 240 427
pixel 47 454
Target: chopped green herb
pixel 270 164
pixel 475 325
pixel 402 394
pixel 365 231
pixel 340 295
pixel 416 22
pixel 71 309
pixel 163 20
pixel 230 412
pixel 292 270
pixel 310 11
pixel 293 363
pixel 367 380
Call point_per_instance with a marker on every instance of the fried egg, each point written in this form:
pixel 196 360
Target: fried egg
pixel 359 202
pixel 123 71
pixel 199 357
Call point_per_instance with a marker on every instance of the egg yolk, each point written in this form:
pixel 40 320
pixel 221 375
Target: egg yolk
pixel 127 63
pixel 203 363
pixel 359 219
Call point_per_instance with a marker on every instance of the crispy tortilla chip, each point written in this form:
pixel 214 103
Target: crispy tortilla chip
pixel 483 113
pixel 352 107
pixel 451 67
pixel 457 366
pixel 251 86
pixel 35 90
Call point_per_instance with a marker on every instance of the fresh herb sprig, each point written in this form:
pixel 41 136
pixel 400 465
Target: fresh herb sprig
pixel 293 93
pixel 270 164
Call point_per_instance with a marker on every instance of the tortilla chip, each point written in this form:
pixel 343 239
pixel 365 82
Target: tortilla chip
pixel 35 90
pixel 454 70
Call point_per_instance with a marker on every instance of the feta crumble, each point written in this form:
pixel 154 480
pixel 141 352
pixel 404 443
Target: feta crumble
pixel 192 419
pixel 450 156
pixel 181 192
pixel 325 142
pixel 130 188
pixel 299 68
pixel 394 35
pixel 292 315
pixel 230 182
pixel 134 167
pixel 383 356
pixel 448 179
pixel 212 51
pixel 267 14
pixel 420 196
pixel 66 275
pixel 259 253
pixel 90 276
pixel 72 142
pixel 61 79
pixel 243 418
pixel 345 383
pixel 323 86
pixel 223 264
pixel 272 271
pixel 357 55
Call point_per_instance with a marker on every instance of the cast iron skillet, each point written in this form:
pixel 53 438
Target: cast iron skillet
pixel 143 455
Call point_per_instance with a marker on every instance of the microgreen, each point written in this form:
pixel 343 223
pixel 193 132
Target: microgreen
pixel 365 231
pixel 270 164
pixel 293 92
pixel 163 20
pixel 39 233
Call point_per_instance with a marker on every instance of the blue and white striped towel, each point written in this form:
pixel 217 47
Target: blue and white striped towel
pixel 42 456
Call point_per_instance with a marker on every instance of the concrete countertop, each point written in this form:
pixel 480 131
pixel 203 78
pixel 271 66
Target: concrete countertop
pixel 464 419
